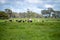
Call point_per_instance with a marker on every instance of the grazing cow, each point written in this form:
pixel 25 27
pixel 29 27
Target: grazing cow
pixel 10 20
pixel 16 20
pixel 23 21
pixel 20 21
pixel 42 20
pixel 30 20
pixel 6 21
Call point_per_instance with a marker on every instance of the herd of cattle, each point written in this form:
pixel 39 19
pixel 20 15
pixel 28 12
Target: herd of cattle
pixel 29 20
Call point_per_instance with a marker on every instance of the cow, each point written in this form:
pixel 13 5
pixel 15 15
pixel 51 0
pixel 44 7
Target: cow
pixel 42 20
pixel 19 20
pixel 29 20
pixel 10 20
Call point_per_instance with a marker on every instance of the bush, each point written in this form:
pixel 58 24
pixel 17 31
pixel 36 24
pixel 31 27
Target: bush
pixel 3 15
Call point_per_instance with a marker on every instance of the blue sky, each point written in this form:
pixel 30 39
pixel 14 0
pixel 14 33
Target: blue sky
pixel 33 5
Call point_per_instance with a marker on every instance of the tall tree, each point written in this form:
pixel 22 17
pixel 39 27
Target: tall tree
pixel 28 13
pixel 9 12
pixel 50 10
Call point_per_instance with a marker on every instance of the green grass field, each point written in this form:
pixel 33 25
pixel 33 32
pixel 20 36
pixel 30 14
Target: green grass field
pixel 47 30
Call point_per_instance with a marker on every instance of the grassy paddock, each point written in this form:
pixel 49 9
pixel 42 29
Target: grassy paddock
pixel 40 19
pixel 48 30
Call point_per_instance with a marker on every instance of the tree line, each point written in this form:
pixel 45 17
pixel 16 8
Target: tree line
pixel 8 13
pixel 51 13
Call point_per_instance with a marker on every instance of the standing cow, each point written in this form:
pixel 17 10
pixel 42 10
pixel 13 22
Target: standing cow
pixel 29 20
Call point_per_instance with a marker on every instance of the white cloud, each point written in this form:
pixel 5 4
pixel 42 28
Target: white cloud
pixel 35 9
pixel 18 2
pixel 24 9
pixel 48 6
pixel 15 10
pixel 3 1
pixel 34 1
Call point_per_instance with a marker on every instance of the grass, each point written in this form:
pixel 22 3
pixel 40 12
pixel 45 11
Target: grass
pixel 30 31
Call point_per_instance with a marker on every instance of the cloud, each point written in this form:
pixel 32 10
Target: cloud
pixel 34 9
pixel 24 9
pixel 33 1
pixel 17 2
pixel 48 6
pixel 3 1
pixel 37 10
pixel 33 5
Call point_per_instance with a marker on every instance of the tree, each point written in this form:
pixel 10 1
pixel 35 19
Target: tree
pixel 47 12
pixel 28 13
pixel 9 12
pixel 3 15
pixel 50 10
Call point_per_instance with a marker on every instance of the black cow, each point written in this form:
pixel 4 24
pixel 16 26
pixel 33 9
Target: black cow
pixel 42 20
pixel 16 20
pixel 29 20
pixel 19 20
pixel 10 20
pixel 6 21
